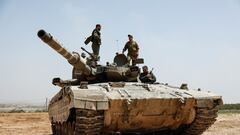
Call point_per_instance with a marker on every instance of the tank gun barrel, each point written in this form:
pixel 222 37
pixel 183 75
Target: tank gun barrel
pixel 73 58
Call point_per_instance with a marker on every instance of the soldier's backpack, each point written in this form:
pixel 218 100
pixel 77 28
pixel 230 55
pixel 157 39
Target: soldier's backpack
pixel 88 40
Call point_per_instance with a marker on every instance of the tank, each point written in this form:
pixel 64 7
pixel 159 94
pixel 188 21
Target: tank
pixel 110 99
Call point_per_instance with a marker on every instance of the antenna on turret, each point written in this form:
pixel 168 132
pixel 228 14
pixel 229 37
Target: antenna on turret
pixel 117 46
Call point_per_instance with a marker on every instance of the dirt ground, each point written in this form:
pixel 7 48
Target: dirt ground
pixel 226 124
pixel 38 124
pixel 24 124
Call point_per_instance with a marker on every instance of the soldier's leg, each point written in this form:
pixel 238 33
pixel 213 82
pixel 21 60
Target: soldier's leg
pixel 134 58
pixel 129 59
pixel 95 49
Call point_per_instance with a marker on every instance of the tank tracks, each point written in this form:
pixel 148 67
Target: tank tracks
pixel 86 122
pixel 205 117
pixel 89 122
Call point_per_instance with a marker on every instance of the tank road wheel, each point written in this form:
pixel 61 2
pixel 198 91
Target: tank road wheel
pixel 69 128
pixel 64 128
pixel 73 128
pixel 58 129
pixel 61 129
pixel 89 122
pixel 205 117
pixel 54 131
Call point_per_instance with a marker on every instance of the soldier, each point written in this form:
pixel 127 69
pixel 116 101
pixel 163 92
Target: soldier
pixel 146 76
pixel 132 48
pixel 95 38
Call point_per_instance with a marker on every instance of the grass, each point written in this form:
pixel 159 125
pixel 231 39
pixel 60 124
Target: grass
pixel 228 111
pixel 229 108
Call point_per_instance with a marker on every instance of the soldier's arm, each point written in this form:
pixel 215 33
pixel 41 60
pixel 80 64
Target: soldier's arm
pixel 153 78
pixel 137 47
pixel 143 78
pixel 125 48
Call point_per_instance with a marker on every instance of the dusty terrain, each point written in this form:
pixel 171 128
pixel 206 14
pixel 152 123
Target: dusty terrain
pixel 38 124
pixel 226 124
pixel 24 124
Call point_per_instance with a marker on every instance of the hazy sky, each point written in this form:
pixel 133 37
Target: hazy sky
pixel 187 41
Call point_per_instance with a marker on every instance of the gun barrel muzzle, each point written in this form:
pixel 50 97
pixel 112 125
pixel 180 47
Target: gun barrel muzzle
pixel 53 43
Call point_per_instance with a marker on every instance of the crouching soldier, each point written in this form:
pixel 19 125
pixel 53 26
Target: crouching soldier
pixel 146 76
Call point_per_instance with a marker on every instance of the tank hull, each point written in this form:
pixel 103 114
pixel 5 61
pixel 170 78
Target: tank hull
pixel 134 107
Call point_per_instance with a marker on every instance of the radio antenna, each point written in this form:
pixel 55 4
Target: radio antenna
pixel 117 46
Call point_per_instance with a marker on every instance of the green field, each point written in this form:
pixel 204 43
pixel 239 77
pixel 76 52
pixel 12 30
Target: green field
pixel 229 108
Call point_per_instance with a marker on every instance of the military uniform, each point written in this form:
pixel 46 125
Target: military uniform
pixel 147 77
pixel 96 41
pixel 133 49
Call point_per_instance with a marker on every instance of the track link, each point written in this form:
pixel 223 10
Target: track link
pixel 89 122
pixel 204 119
pixel 85 122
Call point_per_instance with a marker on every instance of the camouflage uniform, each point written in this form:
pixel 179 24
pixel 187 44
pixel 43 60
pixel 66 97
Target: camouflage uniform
pixel 132 48
pixel 147 77
pixel 96 41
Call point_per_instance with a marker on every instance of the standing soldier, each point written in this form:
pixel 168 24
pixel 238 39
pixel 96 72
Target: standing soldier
pixel 132 48
pixel 95 38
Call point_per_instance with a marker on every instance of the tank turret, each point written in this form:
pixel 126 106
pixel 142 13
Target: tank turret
pixel 86 69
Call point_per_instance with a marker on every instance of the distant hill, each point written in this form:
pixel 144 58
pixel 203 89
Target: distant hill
pixel 22 108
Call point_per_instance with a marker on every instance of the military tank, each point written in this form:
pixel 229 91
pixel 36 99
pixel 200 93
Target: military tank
pixel 109 99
